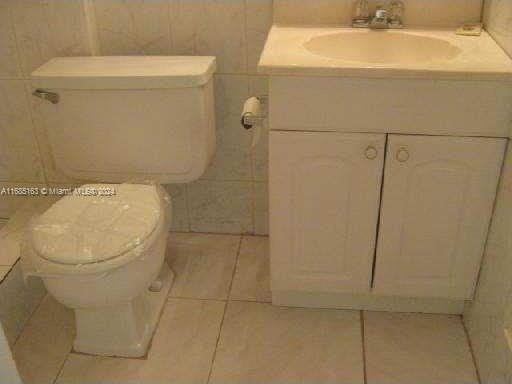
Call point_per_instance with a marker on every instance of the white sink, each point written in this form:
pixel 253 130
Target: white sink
pixel 382 47
pixel 406 53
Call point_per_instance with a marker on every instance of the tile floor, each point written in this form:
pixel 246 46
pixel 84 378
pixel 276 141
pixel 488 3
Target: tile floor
pixel 218 327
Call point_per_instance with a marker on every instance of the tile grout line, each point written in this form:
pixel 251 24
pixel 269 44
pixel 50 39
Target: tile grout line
pixel 365 376
pixel 233 300
pixel 220 233
pixel 38 306
pixel 187 208
pixel 26 87
pixel 196 298
pixel 246 73
pixel 61 368
pixel 471 350
pixel 212 362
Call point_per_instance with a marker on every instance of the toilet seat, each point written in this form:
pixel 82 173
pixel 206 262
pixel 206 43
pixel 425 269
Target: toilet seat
pixel 81 229
pixel 91 234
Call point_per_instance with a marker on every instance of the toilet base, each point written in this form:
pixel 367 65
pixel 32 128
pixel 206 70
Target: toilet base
pixel 123 330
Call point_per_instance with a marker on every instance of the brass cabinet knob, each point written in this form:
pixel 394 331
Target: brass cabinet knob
pixel 371 152
pixel 402 155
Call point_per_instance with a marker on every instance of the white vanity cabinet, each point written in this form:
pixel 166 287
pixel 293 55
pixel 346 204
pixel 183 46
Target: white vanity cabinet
pixel 324 206
pixel 436 206
pixel 428 195
pixel 434 209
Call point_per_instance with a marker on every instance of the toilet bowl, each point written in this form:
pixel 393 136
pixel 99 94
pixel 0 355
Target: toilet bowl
pixel 112 119
pixel 100 255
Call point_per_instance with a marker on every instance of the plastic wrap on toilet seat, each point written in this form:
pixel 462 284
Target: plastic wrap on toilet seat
pixel 98 228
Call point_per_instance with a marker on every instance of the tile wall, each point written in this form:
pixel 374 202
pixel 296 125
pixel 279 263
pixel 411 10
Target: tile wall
pixel 231 196
pixel 490 314
pixel 418 13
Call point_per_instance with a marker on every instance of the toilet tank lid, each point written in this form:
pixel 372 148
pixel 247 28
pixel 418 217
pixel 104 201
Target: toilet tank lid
pixel 124 72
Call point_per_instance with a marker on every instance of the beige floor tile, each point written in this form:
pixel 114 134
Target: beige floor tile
pixel 182 350
pixel 45 342
pixel 252 276
pixel 261 343
pixel 203 264
pixel 19 300
pixel 416 348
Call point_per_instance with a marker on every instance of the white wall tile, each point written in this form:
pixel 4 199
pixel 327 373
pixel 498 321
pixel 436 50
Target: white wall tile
pixel 179 202
pixel 133 27
pixel 32 33
pixel 259 21
pixel 258 85
pixel 68 28
pixel 498 22
pixel 441 13
pixel 19 157
pixel 232 159
pixel 433 13
pixel 214 27
pixel 220 206
pixel 232 30
pixel 491 310
pixel 260 192
pixel 48 28
pixel 313 11
pixel 11 203
pixel 9 59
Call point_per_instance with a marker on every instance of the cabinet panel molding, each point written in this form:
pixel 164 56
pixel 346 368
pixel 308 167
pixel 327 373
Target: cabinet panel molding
pixel 436 206
pixel 324 201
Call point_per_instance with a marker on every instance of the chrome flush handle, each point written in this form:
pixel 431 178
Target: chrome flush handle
pixel 52 97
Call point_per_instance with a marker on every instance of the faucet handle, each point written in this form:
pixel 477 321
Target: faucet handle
pixel 396 10
pixel 361 14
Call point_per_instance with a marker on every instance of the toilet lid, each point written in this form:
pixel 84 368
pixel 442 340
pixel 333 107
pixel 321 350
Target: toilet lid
pixel 85 228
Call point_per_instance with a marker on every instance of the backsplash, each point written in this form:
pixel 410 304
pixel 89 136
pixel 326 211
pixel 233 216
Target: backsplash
pixel 490 313
pixel 231 196
pixel 418 13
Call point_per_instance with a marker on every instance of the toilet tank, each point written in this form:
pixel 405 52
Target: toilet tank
pixel 123 118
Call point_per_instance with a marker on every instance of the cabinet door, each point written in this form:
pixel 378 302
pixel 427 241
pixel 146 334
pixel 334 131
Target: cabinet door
pixel 324 202
pixel 437 202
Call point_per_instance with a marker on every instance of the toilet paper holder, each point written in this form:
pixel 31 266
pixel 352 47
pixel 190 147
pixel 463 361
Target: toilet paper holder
pixel 249 117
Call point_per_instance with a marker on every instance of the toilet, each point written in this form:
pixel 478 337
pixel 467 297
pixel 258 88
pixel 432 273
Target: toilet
pixel 126 125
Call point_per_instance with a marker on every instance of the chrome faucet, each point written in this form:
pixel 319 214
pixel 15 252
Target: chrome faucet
pixel 381 19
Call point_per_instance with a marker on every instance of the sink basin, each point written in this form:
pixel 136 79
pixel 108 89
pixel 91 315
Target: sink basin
pixel 361 53
pixel 382 47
